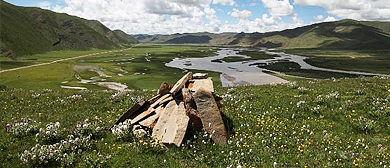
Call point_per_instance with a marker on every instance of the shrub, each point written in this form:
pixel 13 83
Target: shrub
pixel 123 130
pixel 89 128
pixel 24 127
pixel 51 133
pixel 63 152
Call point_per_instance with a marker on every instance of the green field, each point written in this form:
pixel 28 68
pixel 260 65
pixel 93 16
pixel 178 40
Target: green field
pixel 374 61
pixel 142 67
pixel 327 123
pixel 305 123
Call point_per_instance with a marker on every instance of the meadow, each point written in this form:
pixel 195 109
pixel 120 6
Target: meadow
pixel 305 123
pixel 374 61
pixel 300 124
pixel 142 67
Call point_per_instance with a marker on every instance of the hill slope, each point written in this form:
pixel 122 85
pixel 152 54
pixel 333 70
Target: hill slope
pixel 199 38
pixel 344 34
pixel 34 30
pixel 335 123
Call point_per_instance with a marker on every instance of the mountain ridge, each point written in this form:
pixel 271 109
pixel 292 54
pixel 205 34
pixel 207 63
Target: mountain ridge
pixel 343 34
pixel 38 30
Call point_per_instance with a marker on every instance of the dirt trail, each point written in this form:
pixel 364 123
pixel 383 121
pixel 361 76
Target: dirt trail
pixel 66 59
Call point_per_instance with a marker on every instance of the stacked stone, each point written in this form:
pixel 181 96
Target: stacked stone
pixel 190 103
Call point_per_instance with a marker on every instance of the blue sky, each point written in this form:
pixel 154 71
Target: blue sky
pixel 179 16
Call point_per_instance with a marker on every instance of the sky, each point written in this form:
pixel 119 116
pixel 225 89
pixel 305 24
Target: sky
pixel 216 16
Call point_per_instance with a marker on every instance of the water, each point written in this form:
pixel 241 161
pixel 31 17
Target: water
pixel 246 72
pixel 232 73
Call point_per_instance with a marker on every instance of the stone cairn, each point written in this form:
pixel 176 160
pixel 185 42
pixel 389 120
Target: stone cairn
pixel 190 103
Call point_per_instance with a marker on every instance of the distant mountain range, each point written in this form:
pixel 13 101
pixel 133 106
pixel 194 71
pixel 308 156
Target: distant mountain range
pixel 186 38
pixel 344 34
pixel 27 30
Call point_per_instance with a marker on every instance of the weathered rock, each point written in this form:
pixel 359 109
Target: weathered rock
pixel 206 84
pixel 158 129
pixel 162 98
pixel 133 112
pixel 164 89
pixel 138 131
pixel 172 124
pixel 176 126
pixel 181 83
pixel 210 115
pixel 149 122
pixel 191 111
pixel 142 116
pixel 154 99
pixel 169 98
pixel 200 75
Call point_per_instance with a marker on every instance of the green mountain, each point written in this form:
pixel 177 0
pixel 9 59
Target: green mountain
pixel 125 37
pixel 195 38
pixel 344 34
pixel 27 30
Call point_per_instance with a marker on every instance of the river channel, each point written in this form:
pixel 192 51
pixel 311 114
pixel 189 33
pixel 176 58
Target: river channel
pixel 246 72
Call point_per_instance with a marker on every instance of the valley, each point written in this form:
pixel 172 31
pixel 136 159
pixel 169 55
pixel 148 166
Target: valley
pixel 122 69
pixel 271 84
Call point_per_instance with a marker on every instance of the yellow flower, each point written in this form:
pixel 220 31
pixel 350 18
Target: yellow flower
pixel 119 147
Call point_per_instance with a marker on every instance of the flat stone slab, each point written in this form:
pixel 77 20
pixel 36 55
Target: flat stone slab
pixel 173 126
pixel 162 98
pixel 150 121
pixel 142 115
pixel 132 112
pixel 177 126
pixel 206 84
pixel 158 130
pixel 210 116
pixel 181 83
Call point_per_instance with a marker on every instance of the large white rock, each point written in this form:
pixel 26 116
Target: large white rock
pixel 181 83
pixel 211 116
pixel 173 125
pixel 206 84
pixel 158 129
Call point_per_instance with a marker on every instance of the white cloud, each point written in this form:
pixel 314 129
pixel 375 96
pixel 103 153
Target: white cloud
pixel 44 4
pixel 177 16
pixel 318 17
pixel 244 14
pixel 330 19
pixel 224 2
pixel 268 20
pixel 353 9
pixel 279 8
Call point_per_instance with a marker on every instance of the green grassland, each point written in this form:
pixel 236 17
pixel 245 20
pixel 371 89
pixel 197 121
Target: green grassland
pixel 291 68
pixel 142 67
pixel 374 61
pixel 320 123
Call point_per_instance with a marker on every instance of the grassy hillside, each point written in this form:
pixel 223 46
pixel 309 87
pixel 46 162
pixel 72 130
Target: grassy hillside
pixel 344 34
pixel 126 38
pixel 27 31
pixel 190 39
pixel 202 37
pixel 328 123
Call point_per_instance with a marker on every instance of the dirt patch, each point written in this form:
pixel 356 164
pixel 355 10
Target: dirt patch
pixel 96 69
